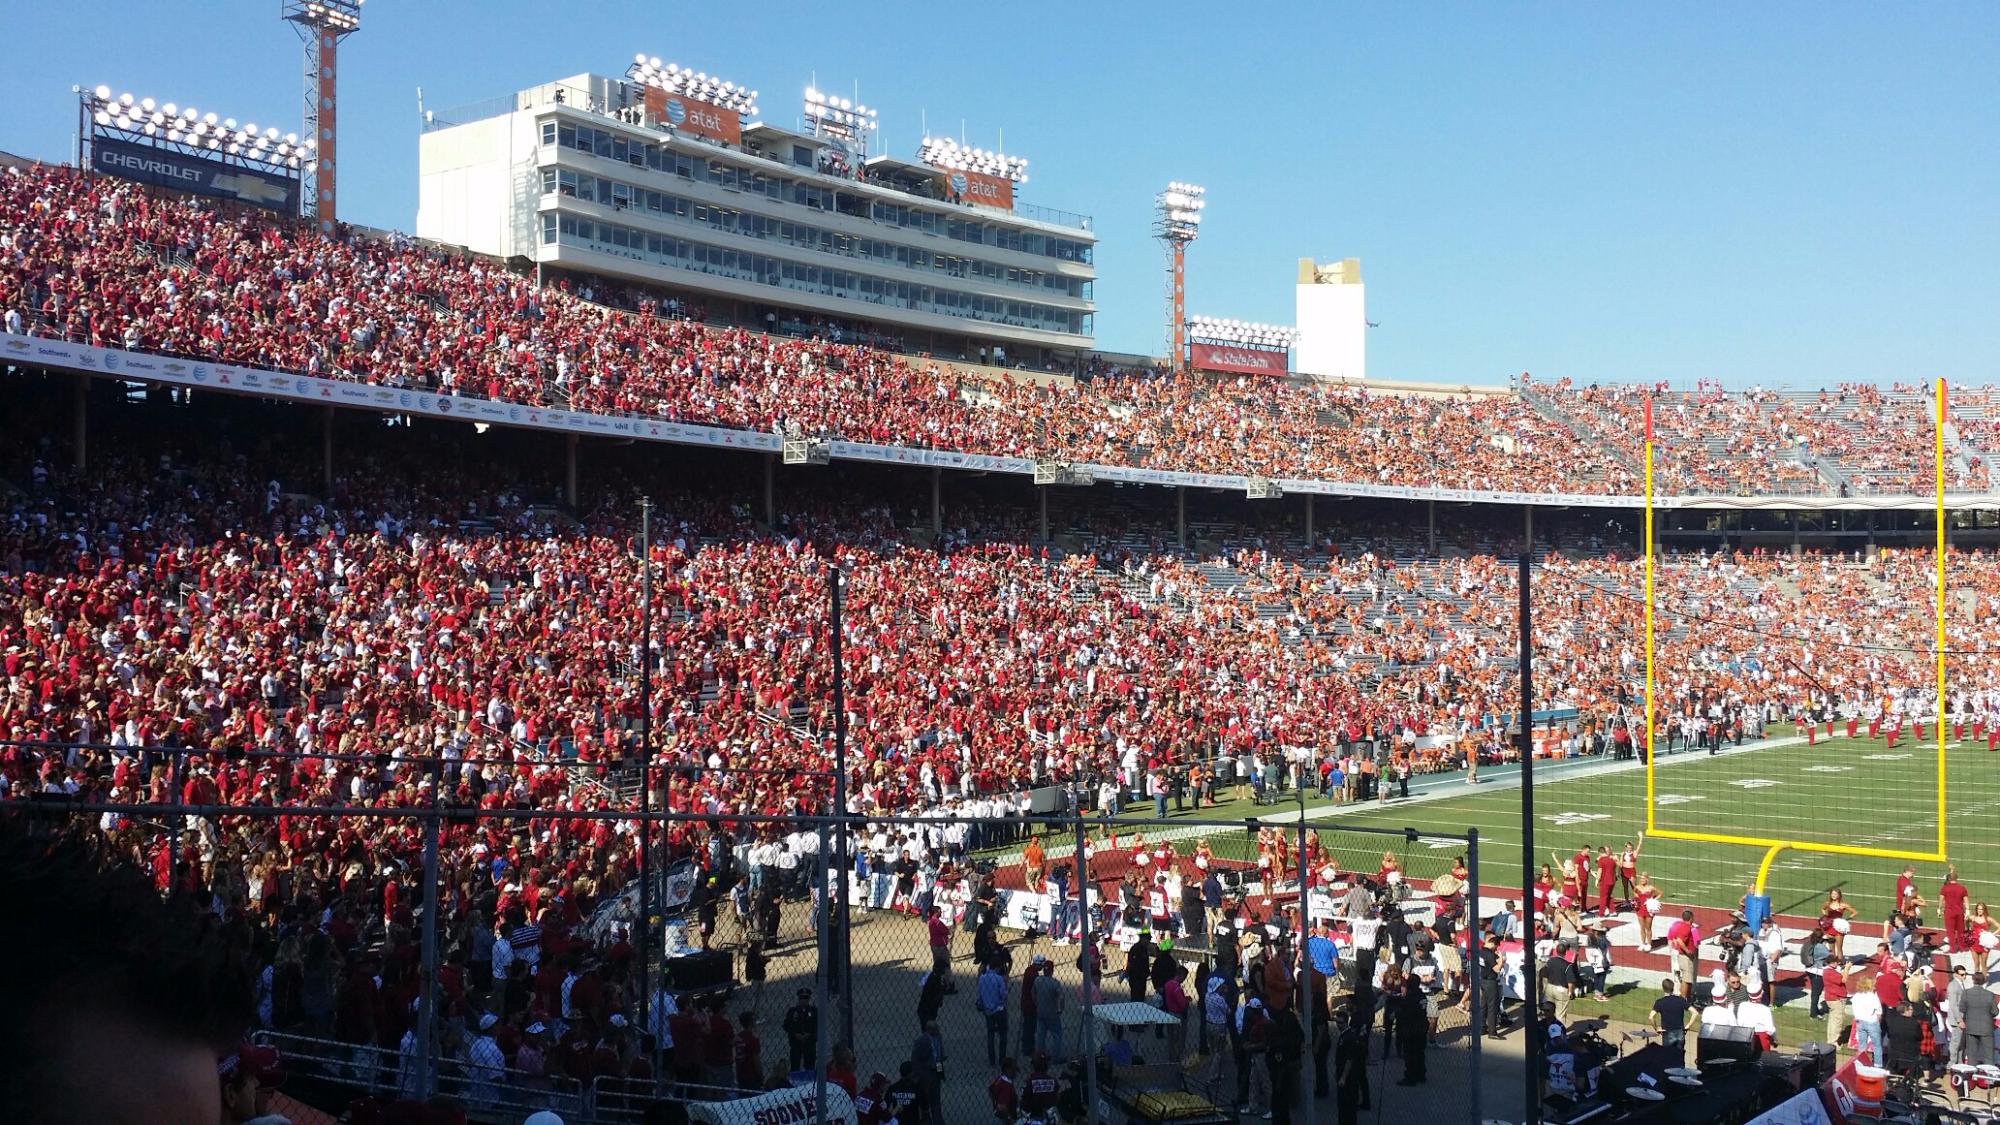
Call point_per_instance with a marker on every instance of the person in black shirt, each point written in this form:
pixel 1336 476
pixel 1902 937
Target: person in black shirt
pixel 1284 1055
pixel 1039 1092
pixel 1322 1046
pixel 1350 1066
pixel 1489 986
pixel 930 999
pixel 1412 1033
pixel 1670 1014
pixel 1904 1031
pixel 801 1027
pixel 1139 965
pixel 905 1098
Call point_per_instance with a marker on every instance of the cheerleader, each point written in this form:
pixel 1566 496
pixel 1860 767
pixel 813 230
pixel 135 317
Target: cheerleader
pixel 1544 890
pixel 1628 866
pixel 1141 859
pixel 1836 917
pixel 1203 857
pixel 1646 904
pixel 1985 939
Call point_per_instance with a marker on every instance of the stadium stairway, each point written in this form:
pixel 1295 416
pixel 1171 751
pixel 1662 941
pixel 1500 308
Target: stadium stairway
pixel 1548 408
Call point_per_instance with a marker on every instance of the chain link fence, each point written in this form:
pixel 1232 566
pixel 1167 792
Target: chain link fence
pixel 1174 971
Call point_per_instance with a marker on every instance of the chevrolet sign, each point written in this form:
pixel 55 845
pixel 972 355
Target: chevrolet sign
pixel 199 174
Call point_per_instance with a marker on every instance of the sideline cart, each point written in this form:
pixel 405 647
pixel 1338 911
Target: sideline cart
pixel 1151 1093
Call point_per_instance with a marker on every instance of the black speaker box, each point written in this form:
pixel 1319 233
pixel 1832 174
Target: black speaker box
pixel 697 971
pixel 1738 1043
pixel 1822 1059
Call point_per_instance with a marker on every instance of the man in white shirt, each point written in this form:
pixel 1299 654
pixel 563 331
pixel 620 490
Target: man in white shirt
pixel 503 957
pixel 484 1062
pixel 1756 1015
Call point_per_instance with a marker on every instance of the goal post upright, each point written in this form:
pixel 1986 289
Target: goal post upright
pixel 1773 846
pixel 1942 406
pixel 1651 719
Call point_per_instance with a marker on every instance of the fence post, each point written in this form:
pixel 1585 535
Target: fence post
pixel 1303 967
pixel 427 998
pixel 1475 953
pixel 822 899
pixel 176 777
pixel 1088 1032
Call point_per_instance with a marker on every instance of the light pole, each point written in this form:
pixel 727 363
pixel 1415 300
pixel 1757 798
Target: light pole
pixel 1177 222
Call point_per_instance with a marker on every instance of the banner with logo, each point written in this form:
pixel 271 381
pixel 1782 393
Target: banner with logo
pixel 38 351
pixel 796 1106
pixel 1803 1108
pixel 697 117
pixel 1239 358
pixel 978 187
pixel 198 174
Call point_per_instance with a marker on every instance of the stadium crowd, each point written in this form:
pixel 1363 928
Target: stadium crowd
pixel 186 625
pixel 108 263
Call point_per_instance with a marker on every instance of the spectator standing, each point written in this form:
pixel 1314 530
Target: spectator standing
pixel 940 942
pixel 927 1057
pixel 1684 939
pixel 1048 1013
pixel 1670 1014
pixel 749 1054
pixel 801 1028
pixel 1413 1032
pixel 1977 1010
pixel 992 1001
pixel 1286 1054
pixel 1866 1007
pixel 484 1062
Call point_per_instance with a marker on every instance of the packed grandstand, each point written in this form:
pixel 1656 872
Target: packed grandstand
pixel 106 263
pixel 438 617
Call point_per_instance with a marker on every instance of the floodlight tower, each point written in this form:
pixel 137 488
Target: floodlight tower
pixel 322 24
pixel 1177 222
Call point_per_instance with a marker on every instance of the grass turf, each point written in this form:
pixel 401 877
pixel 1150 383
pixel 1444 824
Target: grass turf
pixel 1857 791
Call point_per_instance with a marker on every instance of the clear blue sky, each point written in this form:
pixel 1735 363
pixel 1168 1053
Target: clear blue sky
pixel 1778 192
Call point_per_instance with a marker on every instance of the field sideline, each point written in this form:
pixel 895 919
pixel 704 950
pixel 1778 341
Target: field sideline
pixel 1854 791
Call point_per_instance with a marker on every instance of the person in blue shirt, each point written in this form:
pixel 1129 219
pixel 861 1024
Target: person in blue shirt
pixel 1323 950
pixel 1119 1050
pixel 992 1000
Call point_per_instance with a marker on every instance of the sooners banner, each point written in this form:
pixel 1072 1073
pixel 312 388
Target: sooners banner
pixel 978 187
pixel 796 1106
pixel 699 118
pixel 1804 1108
pixel 1240 359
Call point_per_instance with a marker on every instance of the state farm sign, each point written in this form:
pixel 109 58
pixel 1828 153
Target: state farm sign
pixel 1239 359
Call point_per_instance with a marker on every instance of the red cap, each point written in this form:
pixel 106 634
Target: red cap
pixel 259 1060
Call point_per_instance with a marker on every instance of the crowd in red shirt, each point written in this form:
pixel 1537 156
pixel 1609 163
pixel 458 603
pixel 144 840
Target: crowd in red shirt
pixel 108 263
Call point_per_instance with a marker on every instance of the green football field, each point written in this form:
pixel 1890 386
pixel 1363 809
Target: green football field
pixel 1858 791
